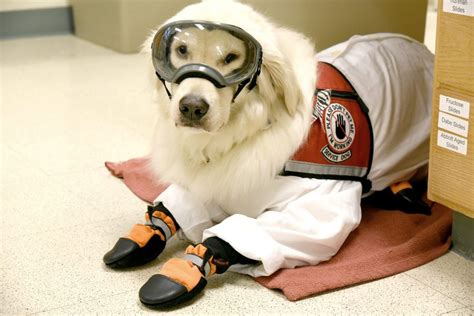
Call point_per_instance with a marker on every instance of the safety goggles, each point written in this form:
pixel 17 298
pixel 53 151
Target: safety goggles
pixel 221 53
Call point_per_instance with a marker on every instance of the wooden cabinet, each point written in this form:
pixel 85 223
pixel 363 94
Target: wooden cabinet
pixel 451 170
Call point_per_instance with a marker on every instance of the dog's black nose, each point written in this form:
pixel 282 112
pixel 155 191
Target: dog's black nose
pixel 193 107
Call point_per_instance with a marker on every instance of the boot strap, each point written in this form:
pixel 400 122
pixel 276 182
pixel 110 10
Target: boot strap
pixel 202 264
pixel 157 223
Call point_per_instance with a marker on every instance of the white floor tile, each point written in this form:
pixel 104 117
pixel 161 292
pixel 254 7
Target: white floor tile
pixel 15 167
pixel 82 151
pixel 107 194
pixel 451 275
pixel 71 122
pixel 120 304
pixel 33 202
pixel 236 294
pixel 64 267
pixel 461 312
pixel 52 93
pixel 393 296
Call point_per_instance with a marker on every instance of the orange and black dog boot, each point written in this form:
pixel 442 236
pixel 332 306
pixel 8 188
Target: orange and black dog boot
pixel 144 242
pixel 401 196
pixel 408 200
pixel 179 280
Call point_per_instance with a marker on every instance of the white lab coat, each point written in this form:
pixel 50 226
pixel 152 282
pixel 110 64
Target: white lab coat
pixel 299 221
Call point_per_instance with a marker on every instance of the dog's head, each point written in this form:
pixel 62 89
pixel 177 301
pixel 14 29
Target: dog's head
pixel 204 100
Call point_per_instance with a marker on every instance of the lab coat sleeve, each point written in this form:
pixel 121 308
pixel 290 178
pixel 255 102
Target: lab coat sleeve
pixel 309 229
pixel 193 216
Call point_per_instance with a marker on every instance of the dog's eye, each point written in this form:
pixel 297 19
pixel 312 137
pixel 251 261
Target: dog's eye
pixel 182 50
pixel 230 58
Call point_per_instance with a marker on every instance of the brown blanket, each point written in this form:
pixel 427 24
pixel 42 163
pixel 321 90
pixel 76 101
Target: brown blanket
pixel 384 244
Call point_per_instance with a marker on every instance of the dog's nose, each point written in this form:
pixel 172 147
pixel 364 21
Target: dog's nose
pixel 193 107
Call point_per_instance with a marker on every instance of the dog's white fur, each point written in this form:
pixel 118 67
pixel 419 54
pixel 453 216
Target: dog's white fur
pixel 244 144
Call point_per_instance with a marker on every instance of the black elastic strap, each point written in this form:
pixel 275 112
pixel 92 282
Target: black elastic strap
pixel 239 89
pixel 366 183
pixel 164 84
pixel 346 95
pixel 253 83
pixel 161 208
pixel 224 254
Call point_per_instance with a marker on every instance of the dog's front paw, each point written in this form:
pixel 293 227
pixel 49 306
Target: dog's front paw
pixel 141 246
pixel 179 280
pixel 144 242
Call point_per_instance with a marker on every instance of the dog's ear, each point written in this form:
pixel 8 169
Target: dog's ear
pixel 283 81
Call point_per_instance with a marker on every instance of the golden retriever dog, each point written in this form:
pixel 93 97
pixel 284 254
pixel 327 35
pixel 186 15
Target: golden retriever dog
pixel 237 107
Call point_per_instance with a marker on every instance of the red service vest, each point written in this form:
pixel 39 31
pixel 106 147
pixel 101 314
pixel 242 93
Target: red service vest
pixel 340 141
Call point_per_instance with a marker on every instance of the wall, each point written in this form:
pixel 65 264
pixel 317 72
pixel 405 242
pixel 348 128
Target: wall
pixel 13 5
pixel 26 18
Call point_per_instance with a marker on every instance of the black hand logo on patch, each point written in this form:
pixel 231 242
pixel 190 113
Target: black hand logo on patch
pixel 340 127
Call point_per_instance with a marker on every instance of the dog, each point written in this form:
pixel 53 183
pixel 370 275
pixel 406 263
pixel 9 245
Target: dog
pixel 238 117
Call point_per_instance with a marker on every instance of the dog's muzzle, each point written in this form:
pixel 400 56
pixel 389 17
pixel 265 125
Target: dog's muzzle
pixel 221 53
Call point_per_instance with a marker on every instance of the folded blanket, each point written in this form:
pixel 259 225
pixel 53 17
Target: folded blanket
pixel 385 243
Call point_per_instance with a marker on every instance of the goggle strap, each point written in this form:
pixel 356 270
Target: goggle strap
pixel 164 84
pixel 253 83
pixel 240 88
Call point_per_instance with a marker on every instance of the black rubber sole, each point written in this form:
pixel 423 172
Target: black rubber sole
pixel 130 261
pixel 180 299
pixel 140 256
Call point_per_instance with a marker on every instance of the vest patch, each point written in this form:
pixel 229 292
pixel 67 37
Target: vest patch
pixel 339 145
pixel 340 132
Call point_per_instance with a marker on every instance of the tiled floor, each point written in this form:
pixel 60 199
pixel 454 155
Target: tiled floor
pixel 67 106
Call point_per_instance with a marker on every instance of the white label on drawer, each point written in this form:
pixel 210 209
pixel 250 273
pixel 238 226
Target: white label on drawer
pixel 452 142
pixel 463 7
pixel 454 106
pixel 453 124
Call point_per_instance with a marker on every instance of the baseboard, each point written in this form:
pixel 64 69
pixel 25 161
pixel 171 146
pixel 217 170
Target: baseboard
pixel 27 23
pixel 463 235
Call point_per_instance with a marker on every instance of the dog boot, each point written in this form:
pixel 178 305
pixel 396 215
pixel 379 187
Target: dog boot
pixel 144 242
pixel 407 199
pixel 179 280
